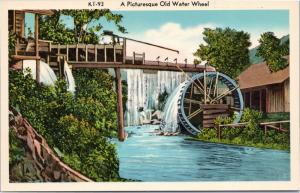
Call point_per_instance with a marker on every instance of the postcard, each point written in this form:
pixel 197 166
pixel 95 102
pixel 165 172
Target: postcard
pixel 149 95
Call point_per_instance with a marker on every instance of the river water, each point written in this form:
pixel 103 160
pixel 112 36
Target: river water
pixel 147 157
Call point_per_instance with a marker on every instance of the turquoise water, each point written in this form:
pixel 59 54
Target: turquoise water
pixel 147 157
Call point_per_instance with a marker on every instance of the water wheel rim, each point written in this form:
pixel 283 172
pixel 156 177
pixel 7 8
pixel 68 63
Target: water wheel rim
pixel 183 118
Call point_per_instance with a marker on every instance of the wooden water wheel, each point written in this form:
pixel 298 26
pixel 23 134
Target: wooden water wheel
pixel 205 97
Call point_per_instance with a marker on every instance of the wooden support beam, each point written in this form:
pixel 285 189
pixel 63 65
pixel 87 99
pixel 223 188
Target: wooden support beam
pixel 144 57
pixel 86 53
pixel 105 54
pixel 124 50
pixel 115 57
pixel 133 60
pixel 96 50
pixel 36 34
pixel 67 52
pixel 121 132
pixel 76 53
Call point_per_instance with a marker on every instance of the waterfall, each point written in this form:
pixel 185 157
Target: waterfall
pixel 69 78
pixel 48 76
pixel 170 122
pixel 143 90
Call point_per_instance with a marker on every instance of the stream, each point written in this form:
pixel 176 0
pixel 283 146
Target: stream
pixel 148 157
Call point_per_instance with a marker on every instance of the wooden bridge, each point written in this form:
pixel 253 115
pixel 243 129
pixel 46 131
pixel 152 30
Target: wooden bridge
pixel 113 55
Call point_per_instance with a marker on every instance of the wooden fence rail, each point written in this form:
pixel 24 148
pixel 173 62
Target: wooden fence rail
pixel 277 125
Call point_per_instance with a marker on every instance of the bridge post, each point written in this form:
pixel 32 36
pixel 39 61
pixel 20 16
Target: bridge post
pixel 121 132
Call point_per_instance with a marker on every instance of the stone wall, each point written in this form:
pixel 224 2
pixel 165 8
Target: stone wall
pixel 40 163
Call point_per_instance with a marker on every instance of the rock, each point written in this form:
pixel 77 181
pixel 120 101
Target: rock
pixel 156 115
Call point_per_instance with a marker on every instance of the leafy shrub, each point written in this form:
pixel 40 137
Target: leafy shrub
pixel 93 154
pixel 78 126
pixel 250 135
pixel 16 149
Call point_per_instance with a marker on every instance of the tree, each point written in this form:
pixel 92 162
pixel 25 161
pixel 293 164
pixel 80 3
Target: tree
pixel 86 25
pixel 83 19
pixel 225 49
pixel 51 28
pixel 272 50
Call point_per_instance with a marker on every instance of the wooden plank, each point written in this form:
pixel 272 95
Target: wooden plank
pixel 76 53
pixel 105 56
pixel 234 125
pixel 275 122
pixel 208 125
pixel 67 52
pixel 38 65
pixel 214 111
pixel 214 116
pixel 121 131
pixel 209 121
pixel 19 57
pixel 130 66
pixel 96 50
pixel 215 106
pixel 124 50
pixel 115 57
pixel 86 53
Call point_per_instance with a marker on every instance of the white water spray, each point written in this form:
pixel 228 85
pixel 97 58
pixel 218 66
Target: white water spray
pixel 48 76
pixel 170 119
pixel 69 78
pixel 143 91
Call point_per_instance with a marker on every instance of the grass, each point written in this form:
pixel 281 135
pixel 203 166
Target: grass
pixel 252 135
pixel 244 144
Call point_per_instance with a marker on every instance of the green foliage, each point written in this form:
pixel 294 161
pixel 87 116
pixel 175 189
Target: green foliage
pixel 85 30
pixel 16 149
pixel 225 49
pixel 272 51
pixel 250 135
pixel 87 149
pixel 162 99
pixel 97 85
pixel 51 28
pixel 86 17
pixel 11 44
pixel 79 127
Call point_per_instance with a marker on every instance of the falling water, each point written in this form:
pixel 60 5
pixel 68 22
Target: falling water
pixel 143 91
pixel 69 78
pixel 170 122
pixel 48 76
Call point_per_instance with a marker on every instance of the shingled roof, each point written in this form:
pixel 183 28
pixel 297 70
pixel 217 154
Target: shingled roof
pixel 258 75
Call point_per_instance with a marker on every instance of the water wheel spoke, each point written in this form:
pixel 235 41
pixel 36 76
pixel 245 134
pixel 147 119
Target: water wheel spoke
pixel 210 86
pixel 224 94
pixel 216 85
pixel 188 77
pixel 193 101
pixel 194 113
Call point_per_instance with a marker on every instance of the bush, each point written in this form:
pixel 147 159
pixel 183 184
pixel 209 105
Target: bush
pixel 250 135
pixel 78 126
pixel 93 154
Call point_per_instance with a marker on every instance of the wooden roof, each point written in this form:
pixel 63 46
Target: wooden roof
pixel 258 75
pixel 39 11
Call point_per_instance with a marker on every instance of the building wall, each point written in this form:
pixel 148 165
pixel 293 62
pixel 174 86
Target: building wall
pixel 287 95
pixel 271 98
pixel 278 97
